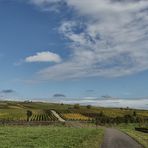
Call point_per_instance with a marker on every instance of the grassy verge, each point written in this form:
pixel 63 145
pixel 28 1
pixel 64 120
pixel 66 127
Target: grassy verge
pixel 139 136
pixel 50 137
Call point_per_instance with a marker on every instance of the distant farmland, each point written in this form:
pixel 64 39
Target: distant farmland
pixel 16 111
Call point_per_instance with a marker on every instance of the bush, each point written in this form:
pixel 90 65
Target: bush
pixel 29 114
pixel 88 106
pixel 76 106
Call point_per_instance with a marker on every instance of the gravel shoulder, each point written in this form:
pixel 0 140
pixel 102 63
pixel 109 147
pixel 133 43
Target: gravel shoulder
pixel 116 139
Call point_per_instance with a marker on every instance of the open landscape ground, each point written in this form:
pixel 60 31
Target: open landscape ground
pixel 50 137
pixel 68 126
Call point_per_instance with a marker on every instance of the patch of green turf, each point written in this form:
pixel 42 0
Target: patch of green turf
pixel 50 137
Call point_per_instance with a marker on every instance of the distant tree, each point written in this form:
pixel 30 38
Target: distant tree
pixel 118 120
pixel 129 118
pixel 62 103
pixel 76 106
pixel 140 120
pixel 29 114
pixel 127 108
pixel 101 114
pixel 97 121
pixel 134 113
pixel 102 119
pixel 88 106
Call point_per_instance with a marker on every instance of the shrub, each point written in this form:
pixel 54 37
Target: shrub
pixel 29 114
pixel 76 106
pixel 88 106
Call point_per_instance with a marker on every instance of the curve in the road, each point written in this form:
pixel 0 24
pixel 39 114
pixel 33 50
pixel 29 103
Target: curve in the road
pixel 117 139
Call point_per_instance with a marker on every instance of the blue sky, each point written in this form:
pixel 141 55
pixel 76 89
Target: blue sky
pixel 50 47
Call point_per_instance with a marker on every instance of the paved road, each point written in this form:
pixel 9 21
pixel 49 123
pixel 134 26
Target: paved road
pixel 57 115
pixel 116 139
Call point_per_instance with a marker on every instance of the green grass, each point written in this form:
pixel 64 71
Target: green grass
pixel 138 136
pixel 50 137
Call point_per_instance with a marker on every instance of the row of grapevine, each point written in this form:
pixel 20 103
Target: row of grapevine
pixel 91 115
pixel 75 116
pixel 44 116
pixel 12 115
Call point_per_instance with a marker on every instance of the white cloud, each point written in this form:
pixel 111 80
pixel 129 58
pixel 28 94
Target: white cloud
pixel 44 57
pixel 111 41
pixel 132 103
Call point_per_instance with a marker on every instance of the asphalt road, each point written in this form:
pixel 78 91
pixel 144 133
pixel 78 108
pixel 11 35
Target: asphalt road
pixel 116 139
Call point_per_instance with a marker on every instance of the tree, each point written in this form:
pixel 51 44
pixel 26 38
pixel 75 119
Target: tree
pixel 88 106
pixel 101 114
pixel 97 121
pixel 129 118
pixel 134 113
pixel 76 106
pixel 140 120
pixel 29 114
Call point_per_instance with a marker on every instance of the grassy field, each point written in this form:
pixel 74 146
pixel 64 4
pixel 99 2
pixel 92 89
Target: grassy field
pixel 50 137
pixel 138 136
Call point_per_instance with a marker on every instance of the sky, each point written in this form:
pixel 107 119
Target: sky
pixel 88 52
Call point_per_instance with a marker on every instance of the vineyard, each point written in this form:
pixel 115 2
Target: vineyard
pixel 16 111
pixel 13 114
pixel 20 115
pixel 76 116
pixel 43 116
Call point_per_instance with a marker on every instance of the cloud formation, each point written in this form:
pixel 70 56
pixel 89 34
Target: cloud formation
pixel 111 41
pixel 7 91
pixel 138 103
pixel 132 103
pixel 59 95
pixel 44 57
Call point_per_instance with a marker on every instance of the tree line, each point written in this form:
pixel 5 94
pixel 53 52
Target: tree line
pixel 102 119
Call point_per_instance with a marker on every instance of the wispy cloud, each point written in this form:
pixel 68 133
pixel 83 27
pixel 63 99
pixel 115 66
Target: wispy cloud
pixel 111 41
pixel 44 57
pixel 48 5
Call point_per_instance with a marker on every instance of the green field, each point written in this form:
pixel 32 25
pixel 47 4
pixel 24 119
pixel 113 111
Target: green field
pixel 50 137
pixel 138 136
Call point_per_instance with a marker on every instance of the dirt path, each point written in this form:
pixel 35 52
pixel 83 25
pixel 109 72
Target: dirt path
pixel 116 139
pixel 57 115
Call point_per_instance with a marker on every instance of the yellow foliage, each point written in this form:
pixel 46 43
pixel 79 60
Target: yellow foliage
pixel 75 116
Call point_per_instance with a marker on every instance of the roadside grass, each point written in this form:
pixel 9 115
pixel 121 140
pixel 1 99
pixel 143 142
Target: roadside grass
pixel 50 137
pixel 141 137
